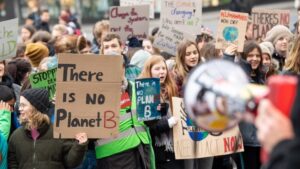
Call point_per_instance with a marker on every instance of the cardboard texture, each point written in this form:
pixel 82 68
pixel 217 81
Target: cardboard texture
pixel 140 2
pixel 45 80
pixel 265 19
pixel 86 104
pixel 129 21
pixel 231 30
pixel 167 39
pixel 182 15
pixel 147 98
pixel 187 138
pixel 8 38
pixel 179 20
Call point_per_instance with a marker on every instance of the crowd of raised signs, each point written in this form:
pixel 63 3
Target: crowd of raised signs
pixel 27 114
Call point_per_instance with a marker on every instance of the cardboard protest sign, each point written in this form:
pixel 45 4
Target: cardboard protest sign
pixel 187 138
pixel 147 98
pixel 167 39
pixel 88 95
pixel 139 2
pixel 231 29
pixel 45 80
pixel 265 19
pixel 180 20
pixel 129 21
pixel 182 15
pixel 8 38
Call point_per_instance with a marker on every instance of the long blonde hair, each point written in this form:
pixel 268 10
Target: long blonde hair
pixel 169 83
pixel 35 119
pixel 292 62
pixel 180 67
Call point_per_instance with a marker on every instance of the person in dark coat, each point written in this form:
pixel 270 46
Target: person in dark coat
pixel 251 62
pixel 161 130
pixel 33 145
pixel 280 36
pixel 279 134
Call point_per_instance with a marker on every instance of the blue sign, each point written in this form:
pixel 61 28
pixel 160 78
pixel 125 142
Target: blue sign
pixel 147 98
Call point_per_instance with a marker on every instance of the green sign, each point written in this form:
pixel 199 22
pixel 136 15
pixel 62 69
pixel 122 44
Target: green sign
pixel 45 80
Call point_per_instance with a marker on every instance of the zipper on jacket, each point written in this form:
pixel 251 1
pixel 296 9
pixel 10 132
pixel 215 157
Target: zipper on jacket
pixel 34 157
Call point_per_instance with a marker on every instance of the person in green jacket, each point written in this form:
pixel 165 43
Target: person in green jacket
pixel 7 101
pixel 33 145
pixel 132 148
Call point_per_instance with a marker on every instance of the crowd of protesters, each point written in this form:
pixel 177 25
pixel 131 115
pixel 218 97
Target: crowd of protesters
pixel 26 131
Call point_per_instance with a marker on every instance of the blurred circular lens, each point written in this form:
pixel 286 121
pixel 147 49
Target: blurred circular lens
pixel 214 95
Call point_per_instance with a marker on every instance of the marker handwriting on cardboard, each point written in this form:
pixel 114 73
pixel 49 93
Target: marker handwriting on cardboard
pixel 42 76
pixel 70 74
pixel 109 120
pixel 264 19
pixel 114 13
pixel 183 13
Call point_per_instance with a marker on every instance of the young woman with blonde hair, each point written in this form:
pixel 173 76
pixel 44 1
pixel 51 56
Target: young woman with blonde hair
pixel 33 144
pixel 161 130
pixel 292 63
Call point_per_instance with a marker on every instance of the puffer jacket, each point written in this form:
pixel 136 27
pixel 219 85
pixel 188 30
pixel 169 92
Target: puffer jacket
pixel 43 153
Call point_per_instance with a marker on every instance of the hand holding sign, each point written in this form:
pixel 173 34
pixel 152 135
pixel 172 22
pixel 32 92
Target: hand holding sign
pixel 231 29
pixel 81 138
pixel 231 49
pixel 87 98
pixel 147 98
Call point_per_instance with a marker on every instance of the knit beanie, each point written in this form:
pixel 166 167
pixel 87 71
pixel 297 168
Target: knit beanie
pixel 277 32
pixel 139 58
pixel 36 52
pixel 38 98
pixel 6 93
pixel 267 47
pixel 134 42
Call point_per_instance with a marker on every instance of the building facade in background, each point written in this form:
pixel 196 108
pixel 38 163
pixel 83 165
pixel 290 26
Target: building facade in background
pixel 87 11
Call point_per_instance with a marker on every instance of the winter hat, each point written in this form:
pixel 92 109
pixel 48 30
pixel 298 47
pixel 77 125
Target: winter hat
pixel 267 47
pixel 277 32
pixel 134 42
pixel 139 58
pixel 207 31
pixel 36 52
pixel 6 93
pixel 38 98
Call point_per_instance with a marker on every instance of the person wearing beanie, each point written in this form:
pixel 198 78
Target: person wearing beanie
pixel 36 52
pixel 36 130
pixel 280 37
pixel 205 37
pixel 267 51
pixel 139 58
pixel 270 66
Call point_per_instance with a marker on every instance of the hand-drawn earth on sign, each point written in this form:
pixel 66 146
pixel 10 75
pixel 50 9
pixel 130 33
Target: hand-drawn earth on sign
pixel 230 33
pixel 196 134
